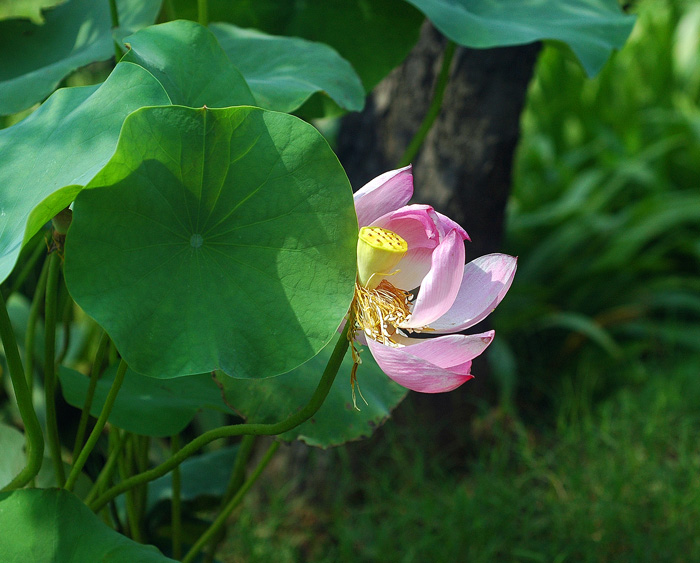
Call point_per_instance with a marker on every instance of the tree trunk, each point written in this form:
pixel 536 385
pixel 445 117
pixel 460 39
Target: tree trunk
pixel 463 169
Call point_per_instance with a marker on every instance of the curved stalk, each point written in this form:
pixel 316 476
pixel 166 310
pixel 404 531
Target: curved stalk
pixel 217 524
pixel 35 439
pixel 257 429
pixel 433 110
pixel 99 426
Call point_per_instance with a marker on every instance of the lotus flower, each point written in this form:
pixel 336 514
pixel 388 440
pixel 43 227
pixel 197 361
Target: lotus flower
pixel 411 279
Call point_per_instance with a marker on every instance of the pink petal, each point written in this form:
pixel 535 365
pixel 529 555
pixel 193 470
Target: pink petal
pixel 416 373
pixel 448 351
pixel 385 193
pixel 440 287
pixel 484 284
pixel 412 268
pixel 414 223
pixel 445 224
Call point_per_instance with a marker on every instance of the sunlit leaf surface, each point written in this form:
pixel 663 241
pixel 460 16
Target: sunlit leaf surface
pixel 35 58
pixel 215 239
pixel 48 156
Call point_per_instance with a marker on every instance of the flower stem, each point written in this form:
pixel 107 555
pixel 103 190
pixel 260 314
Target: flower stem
pixel 114 13
pixel 35 439
pixel 257 429
pixel 176 500
pixel 132 512
pixel 94 376
pixel 37 300
pixel 50 367
pixel 99 426
pixel 434 109
pixel 203 12
pixel 233 503
pixel 104 476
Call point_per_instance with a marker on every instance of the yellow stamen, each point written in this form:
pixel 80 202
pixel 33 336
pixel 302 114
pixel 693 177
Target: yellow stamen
pixel 378 252
pixel 378 311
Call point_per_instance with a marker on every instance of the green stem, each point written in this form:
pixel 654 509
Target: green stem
pixel 433 110
pixel 257 429
pixel 217 524
pixel 50 367
pixel 66 318
pixel 169 10
pixel 38 252
pixel 131 496
pixel 35 439
pixel 108 469
pixel 99 426
pixel 114 13
pixel 176 508
pixel 39 296
pixel 94 376
pixel 203 12
pixel 235 483
pixel 141 445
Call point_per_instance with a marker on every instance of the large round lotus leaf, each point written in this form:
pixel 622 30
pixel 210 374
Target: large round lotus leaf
pixel 35 58
pixel 375 36
pixel 53 525
pixel 187 60
pixel 215 239
pixel 49 155
pixel 592 28
pixel 144 405
pixel 284 71
pixel 337 421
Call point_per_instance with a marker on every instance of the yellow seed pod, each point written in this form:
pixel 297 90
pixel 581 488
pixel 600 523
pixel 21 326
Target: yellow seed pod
pixel 378 253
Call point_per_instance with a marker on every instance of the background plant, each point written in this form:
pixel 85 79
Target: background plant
pixel 136 212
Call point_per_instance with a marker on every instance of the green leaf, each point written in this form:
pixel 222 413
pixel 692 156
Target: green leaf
pixel 283 72
pixel 53 525
pixel 187 60
pixel 592 28
pixel 218 239
pixel 337 421
pixel 13 458
pixel 216 465
pixel 29 9
pixel 48 156
pixel 374 37
pixel 144 405
pixel 79 32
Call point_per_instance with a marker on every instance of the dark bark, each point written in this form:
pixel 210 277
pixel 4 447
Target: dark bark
pixel 464 167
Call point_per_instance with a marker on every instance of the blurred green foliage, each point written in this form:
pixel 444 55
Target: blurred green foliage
pixel 592 454
pixel 605 216
pixel 626 488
